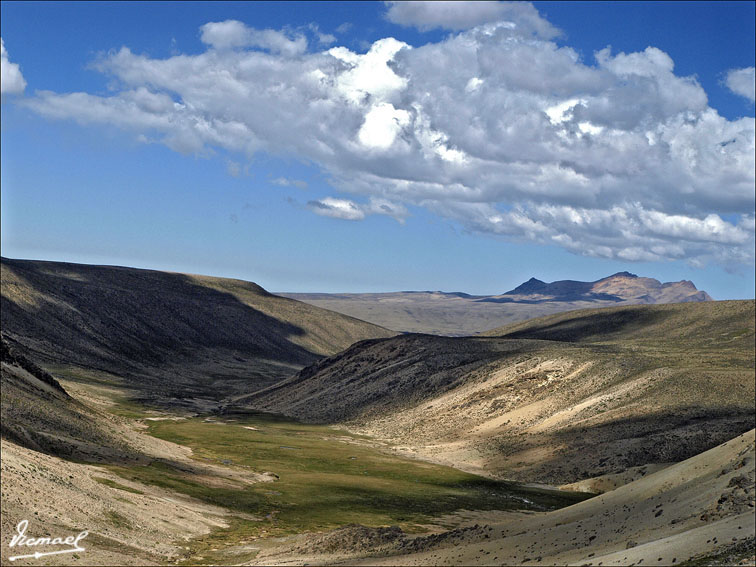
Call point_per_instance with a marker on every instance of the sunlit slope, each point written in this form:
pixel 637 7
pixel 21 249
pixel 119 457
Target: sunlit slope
pixel 174 335
pixel 379 377
pixel 700 509
pixel 55 453
pixel 592 393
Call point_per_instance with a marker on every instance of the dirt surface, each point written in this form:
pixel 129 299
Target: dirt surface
pixel 130 523
pixel 59 498
pixel 607 482
pixel 39 414
pixel 701 507
pixel 45 429
pixel 558 400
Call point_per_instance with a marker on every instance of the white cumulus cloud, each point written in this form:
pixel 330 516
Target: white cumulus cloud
pixel 742 82
pixel 337 208
pixel 496 127
pixel 11 79
pixel 462 15
pixel 382 124
pixel 234 34
pixel 368 77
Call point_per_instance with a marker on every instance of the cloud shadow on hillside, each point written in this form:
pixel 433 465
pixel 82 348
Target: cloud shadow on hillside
pixel 588 327
pixel 159 330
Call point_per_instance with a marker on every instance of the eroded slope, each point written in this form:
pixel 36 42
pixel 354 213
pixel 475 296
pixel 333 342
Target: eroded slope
pixel 56 454
pixel 635 385
pixel 37 413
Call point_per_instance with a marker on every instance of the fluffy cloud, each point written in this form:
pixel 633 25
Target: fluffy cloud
pixel 232 34
pixel 323 38
pixel 337 208
pixel 628 232
pixel 461 15
pixel 496 127
pixel 11 79
pixel 742 82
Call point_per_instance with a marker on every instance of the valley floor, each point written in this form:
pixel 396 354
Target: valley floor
pixel 697 512
pixel 139 427
pixel 231 490
pixel 263 490
pixel 663 429
pixel 700 507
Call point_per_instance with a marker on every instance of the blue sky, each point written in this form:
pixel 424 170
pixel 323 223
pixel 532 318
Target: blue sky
pixel 379 147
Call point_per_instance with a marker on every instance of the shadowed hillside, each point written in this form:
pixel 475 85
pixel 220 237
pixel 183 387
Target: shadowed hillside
pixel 697 325
pixel 376 377
pixel 560 398
pixel 599 399
pixel 170 335
pixel 58 451
pixel 37 413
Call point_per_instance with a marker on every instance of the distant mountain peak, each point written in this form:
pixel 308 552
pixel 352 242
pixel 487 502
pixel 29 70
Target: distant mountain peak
pixel 531 286
pixel 622 286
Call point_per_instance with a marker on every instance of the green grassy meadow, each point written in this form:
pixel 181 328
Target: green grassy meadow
pixel 326 479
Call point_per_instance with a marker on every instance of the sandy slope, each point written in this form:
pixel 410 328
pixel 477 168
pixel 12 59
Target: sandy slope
pixel 61 498
pixel 45 429
pixel 696 507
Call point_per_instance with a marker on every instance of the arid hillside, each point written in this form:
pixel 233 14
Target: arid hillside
pixel 558 399
pixel 110 377
pixel 169 336
pixel 56 450
pixel 158 487
pixel 38 413
pixel 695 326
pixel 698 510
pixel 461 314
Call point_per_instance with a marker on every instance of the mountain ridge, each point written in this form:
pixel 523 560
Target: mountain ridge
pixel 621 286
pixel 168 335
pixel 459 314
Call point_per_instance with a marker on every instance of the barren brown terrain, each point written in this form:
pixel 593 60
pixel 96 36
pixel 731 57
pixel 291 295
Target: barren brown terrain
pixel 131 407
pixel 54 448
pixel 700 510
pixel 558 399
pixel 461 314
pixel 175 339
